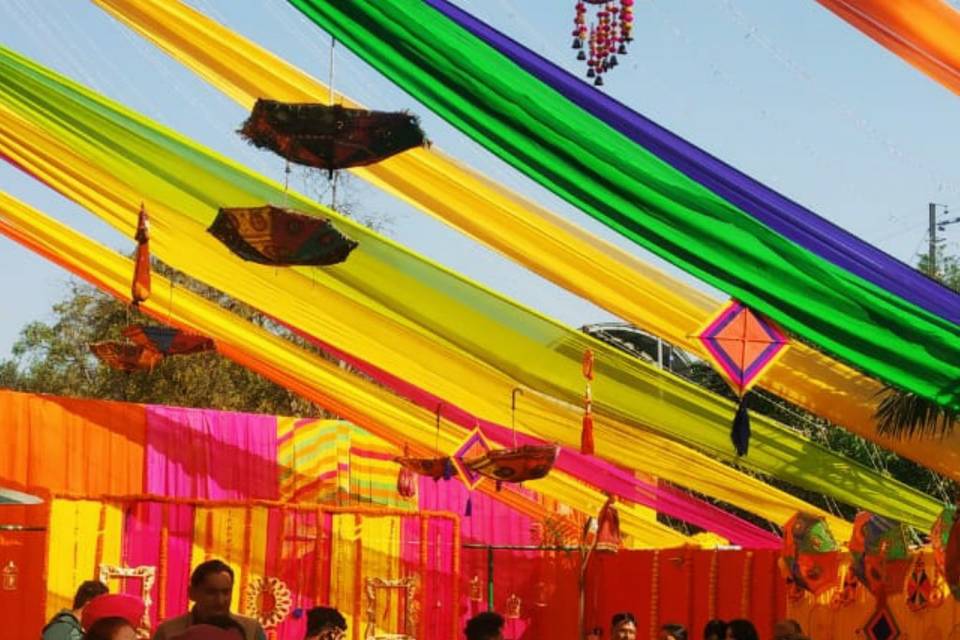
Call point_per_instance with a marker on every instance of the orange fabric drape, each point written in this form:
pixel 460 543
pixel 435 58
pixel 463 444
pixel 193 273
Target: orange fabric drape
pixel 64 444
pixel 925 33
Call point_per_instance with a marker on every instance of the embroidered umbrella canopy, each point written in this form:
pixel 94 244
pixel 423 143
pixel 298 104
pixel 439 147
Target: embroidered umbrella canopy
pixel 516 464
pixel 280 237
pixel 811 555
pixel 126 356
pixel 330 137
pixel 945 540
pixel 880 550
pixel 742 345
pixel 168 341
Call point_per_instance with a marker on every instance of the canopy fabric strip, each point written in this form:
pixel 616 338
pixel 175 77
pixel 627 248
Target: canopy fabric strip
pixel 529 234
pixel 788 218
pixel 608 176
pixel 924 33
pixel 646 452
pixel 309 375
pixel 394 309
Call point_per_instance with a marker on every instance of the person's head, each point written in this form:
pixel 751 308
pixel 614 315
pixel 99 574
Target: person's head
pixel 86 592
pixel 485 626
pixel 673 632
pixel 715 630
pixel 211 587
pixel 741 630
pixel 785 629
pixel 623 626
pixel 112 628
pixel 325 623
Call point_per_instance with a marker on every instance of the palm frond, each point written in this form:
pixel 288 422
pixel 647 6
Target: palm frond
pixel 901 414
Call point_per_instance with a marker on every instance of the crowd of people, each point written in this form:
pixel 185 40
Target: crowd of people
pixel 97 614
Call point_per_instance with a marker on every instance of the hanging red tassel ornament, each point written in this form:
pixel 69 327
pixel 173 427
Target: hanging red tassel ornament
pixel 140 289
pixel 608 529
pixel 604 37
pixel 406 482
pixel 586 432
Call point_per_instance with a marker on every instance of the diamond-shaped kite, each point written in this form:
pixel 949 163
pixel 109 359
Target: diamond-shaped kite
pixel 743 345
pixel 474 446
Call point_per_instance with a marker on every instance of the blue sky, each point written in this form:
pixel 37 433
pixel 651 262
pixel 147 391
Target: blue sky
pixel 783 90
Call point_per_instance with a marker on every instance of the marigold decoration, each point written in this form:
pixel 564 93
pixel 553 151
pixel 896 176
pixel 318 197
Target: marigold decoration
pixel 476 589
pixel 125 356
pixel 330 136
pixel 140 288
pixel 586 433
pixel 880 554
pixel 168 341
pixel 606 37
pixel 608 529
pixel 811 556
pixel 743 345
pixel 268 600
pixel 280 237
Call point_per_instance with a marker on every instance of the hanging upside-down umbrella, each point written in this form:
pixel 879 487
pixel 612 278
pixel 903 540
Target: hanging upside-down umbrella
pixel 126 356
pixel 516 464
pixel 743 345
pixel 880 550
pixel 280 237
pixel 168 340
pixel 330 136
pixel 811 556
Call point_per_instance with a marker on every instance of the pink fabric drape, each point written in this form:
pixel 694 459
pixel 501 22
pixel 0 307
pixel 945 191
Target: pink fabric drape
pixel 199 453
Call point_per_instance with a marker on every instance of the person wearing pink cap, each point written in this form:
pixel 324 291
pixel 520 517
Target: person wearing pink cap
pixel 66 624
pixel 112 617
pixel 211 589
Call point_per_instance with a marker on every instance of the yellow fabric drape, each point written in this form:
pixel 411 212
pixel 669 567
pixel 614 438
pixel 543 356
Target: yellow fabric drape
pixel 341 315
pixel 522 230
pixel 74 535
pixel 319 380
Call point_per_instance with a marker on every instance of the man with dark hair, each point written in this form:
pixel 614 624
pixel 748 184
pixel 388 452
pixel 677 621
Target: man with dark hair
pixel 785 629
pixel 485 626
pixel 66 624
pixel 325 623
pixel 211 589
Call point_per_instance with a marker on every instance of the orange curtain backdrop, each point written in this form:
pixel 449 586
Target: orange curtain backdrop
pixel 87 447
pixel 925 33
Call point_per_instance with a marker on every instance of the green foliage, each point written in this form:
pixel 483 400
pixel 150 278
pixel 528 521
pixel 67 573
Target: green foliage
pixel 54 357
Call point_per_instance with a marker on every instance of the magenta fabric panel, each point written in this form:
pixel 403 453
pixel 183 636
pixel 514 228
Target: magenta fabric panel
pixel 490 522
pixel 143 523
pixel 217 455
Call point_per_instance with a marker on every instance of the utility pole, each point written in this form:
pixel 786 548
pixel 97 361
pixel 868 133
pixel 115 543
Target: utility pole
pixel 932 254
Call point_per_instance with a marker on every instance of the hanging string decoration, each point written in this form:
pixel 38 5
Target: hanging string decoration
pixel 280 237
pixel 586 432
pixel 406 480
pixel 330 136
pixel 140 287
pixel 604 37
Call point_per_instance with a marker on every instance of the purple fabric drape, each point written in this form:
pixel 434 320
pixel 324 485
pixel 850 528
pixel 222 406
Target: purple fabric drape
pixel 786 217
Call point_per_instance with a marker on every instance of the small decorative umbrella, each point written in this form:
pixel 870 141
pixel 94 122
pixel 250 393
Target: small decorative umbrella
pixel 880 550
pixel 280 237
pixel 330 136
pixel 945 540
pixel 743 345
pixel 168 341
pixel 811 556
pixel 125 356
